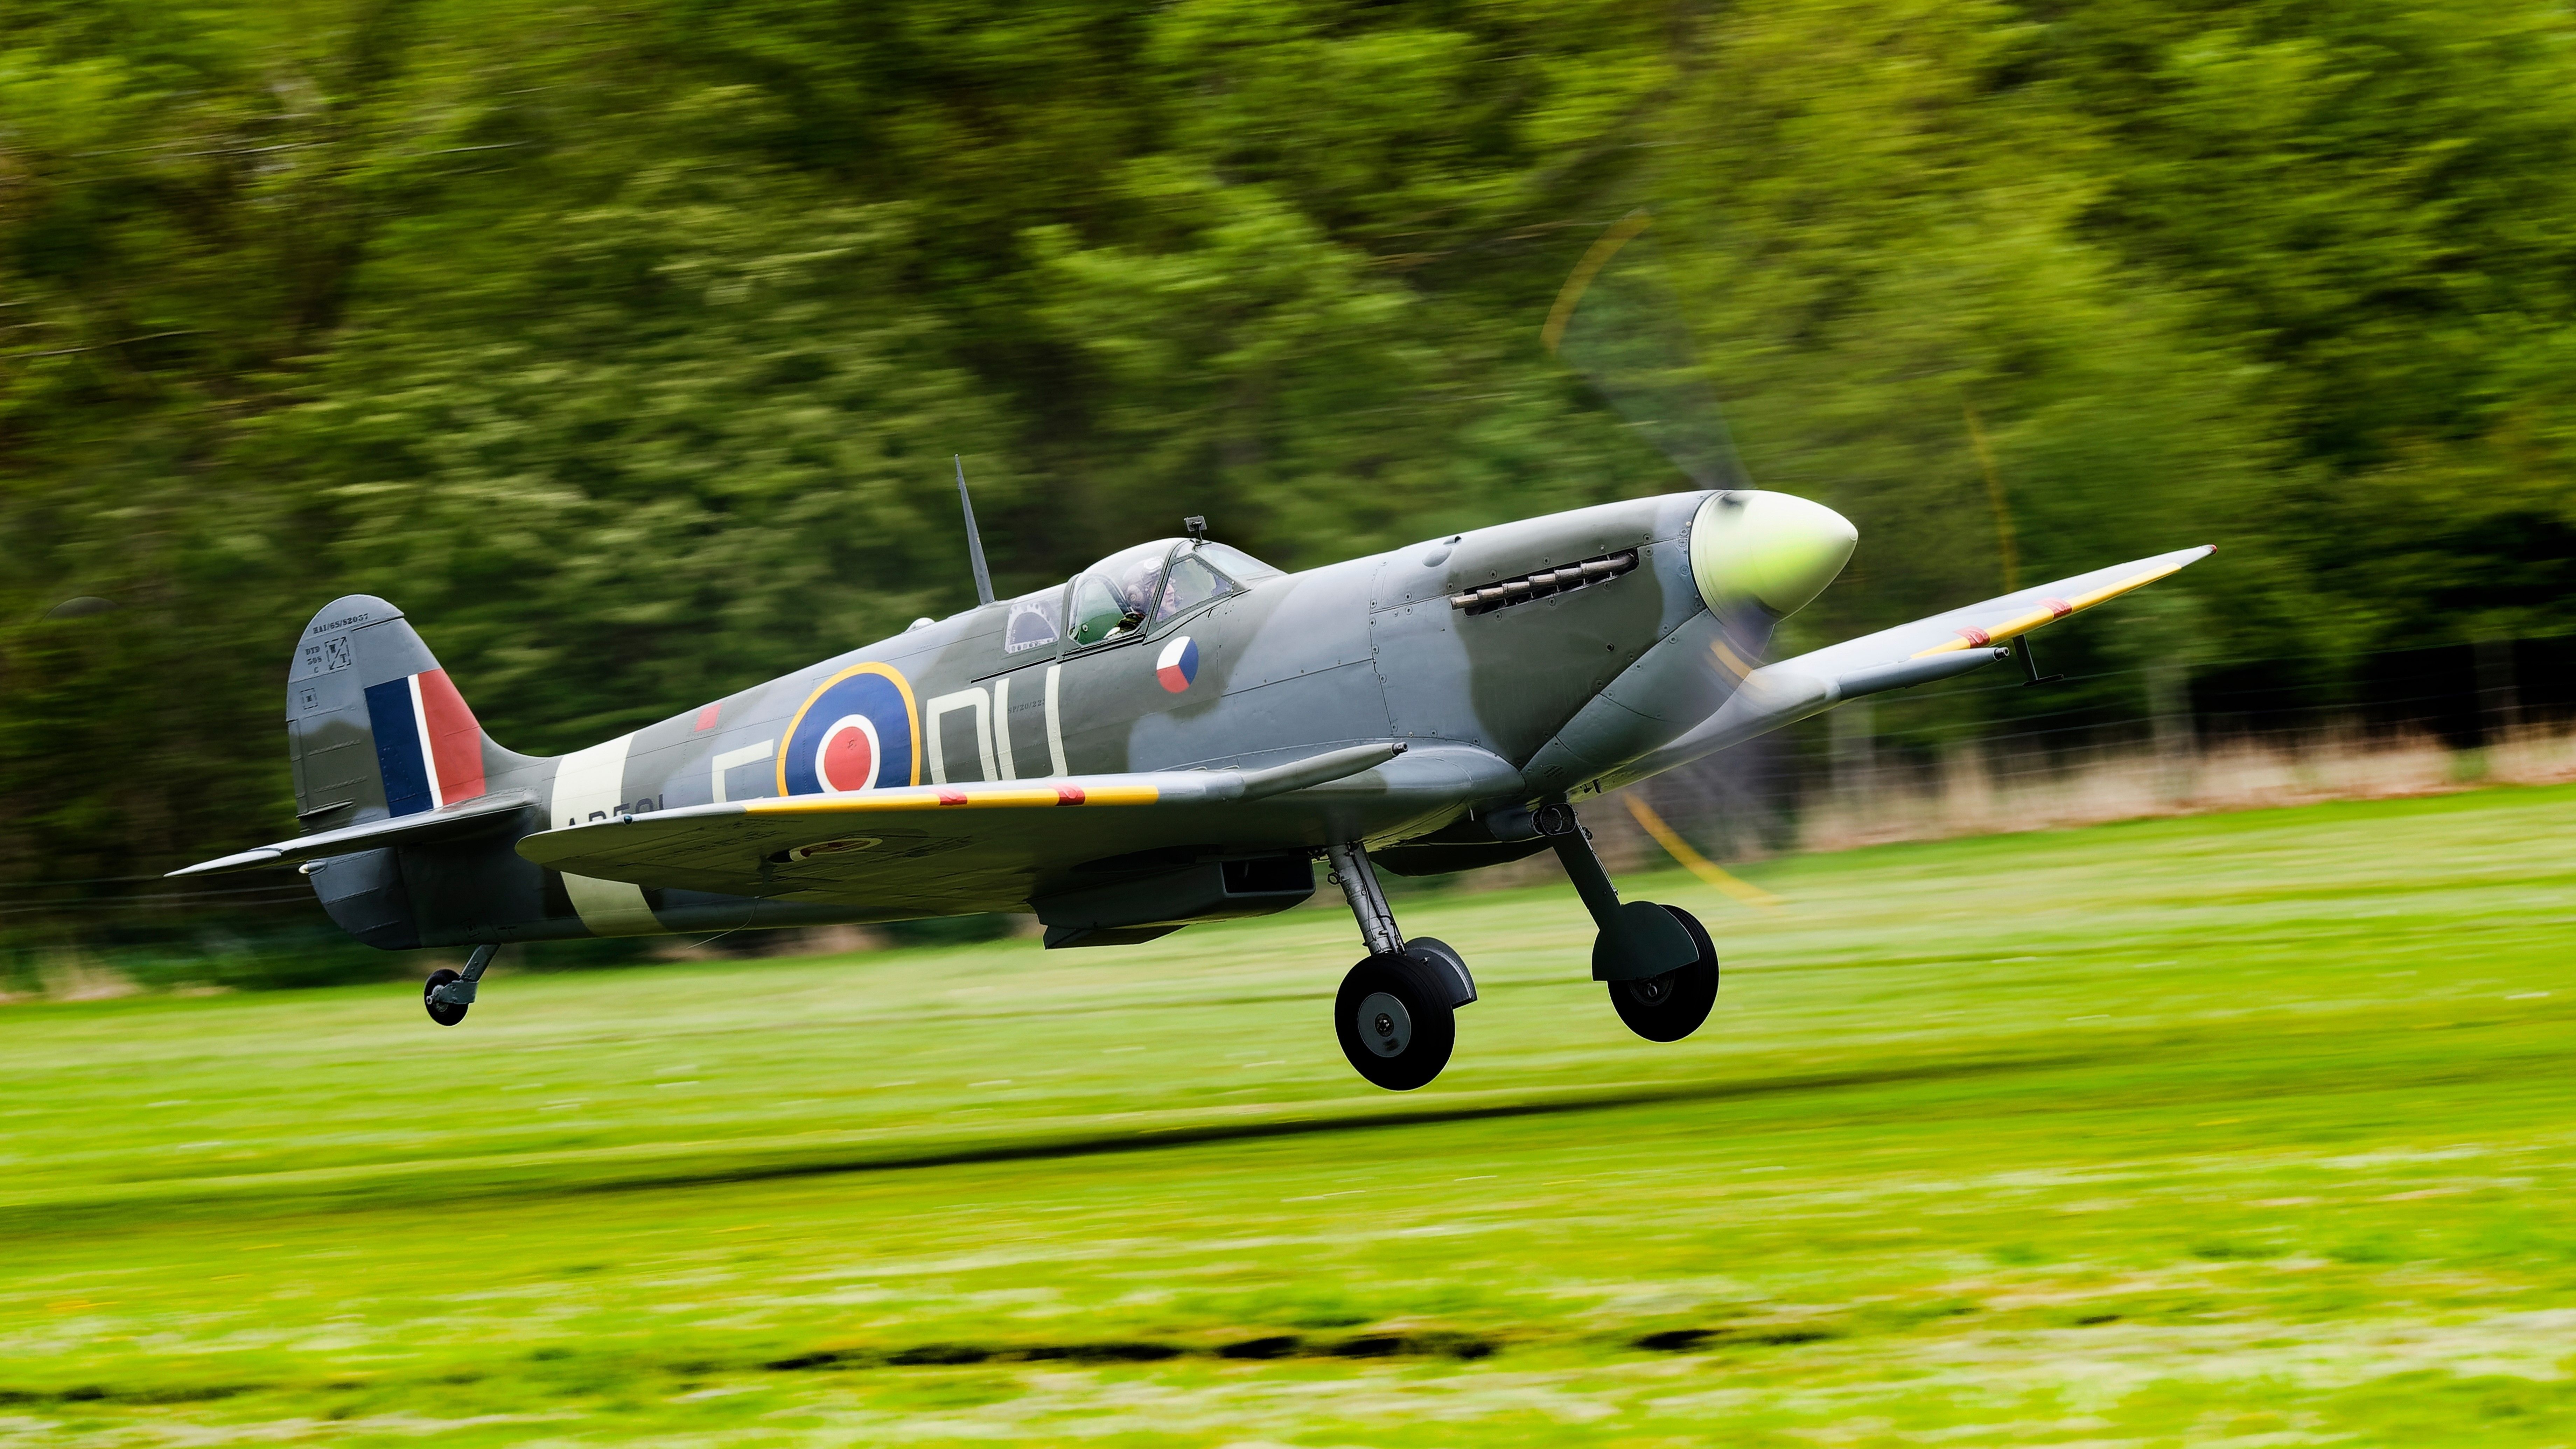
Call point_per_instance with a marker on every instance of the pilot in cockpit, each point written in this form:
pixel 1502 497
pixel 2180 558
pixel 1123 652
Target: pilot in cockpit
pixel 1118 595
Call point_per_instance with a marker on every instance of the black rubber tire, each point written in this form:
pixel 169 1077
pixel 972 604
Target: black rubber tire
pixel 1428 1032
pixel 1671 1006
pixel 439 1011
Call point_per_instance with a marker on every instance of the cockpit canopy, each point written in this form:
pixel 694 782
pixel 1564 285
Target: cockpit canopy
pixel 1130 590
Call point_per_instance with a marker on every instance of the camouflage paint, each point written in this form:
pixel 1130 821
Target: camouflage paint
pixel 1588 679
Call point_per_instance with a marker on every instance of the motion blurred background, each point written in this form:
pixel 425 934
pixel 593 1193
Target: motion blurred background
pixel 625 347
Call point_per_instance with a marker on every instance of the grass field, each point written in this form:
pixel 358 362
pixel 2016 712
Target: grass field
pixel 2251 1129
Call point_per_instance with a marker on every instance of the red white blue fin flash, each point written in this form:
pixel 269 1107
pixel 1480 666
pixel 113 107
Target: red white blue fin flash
pixel 428 746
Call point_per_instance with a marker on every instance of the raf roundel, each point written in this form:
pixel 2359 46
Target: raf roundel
pixel 1179 664
pixel 855 732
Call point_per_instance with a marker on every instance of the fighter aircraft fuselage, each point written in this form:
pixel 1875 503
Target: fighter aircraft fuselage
pixel 1172 737
pixel 1261 671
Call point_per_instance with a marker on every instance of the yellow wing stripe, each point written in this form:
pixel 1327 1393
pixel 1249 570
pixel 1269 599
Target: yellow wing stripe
pixel 968 797
pixel 2052 610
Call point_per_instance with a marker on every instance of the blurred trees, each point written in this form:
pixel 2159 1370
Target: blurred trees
pixel 2386 193
pixel 624 346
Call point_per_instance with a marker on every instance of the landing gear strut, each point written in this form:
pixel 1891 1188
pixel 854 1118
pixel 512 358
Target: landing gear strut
pixel 1659 964
pixel 448 993
pixel 1396 1011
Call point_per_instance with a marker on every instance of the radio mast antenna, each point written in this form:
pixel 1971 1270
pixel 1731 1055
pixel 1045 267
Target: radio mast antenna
pixel 974 540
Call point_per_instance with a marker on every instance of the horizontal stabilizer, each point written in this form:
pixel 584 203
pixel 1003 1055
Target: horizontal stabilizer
pixel 470 818
pixel 1909 654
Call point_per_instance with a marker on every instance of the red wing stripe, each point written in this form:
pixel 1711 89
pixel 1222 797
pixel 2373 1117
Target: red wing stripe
pixel 2059 607
pixel 1975 636
pixel 952 797
pixel 1068 794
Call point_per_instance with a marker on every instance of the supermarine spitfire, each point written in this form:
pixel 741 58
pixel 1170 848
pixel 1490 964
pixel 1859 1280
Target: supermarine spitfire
pixel 1178 734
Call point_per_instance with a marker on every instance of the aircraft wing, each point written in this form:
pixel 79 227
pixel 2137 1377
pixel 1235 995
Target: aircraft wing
pixel 881 846
pixel 1909 654
pixel 2014 615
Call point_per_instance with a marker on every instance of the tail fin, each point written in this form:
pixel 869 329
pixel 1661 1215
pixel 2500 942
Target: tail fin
pixel 375 728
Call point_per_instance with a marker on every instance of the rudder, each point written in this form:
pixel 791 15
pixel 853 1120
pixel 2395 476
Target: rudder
pixel 375 728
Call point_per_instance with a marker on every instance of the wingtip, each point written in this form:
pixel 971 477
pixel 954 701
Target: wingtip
pixel 243 861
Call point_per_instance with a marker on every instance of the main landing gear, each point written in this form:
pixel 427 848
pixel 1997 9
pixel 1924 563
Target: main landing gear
pixel 447 993
pixel 1657 960
pixel 1396 1013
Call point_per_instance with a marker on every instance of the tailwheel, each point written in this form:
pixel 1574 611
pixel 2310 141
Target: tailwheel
pixel 445 1013
pixel 1671 1006
pixel 1396 1028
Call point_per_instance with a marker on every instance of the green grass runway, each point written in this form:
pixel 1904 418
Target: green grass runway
pixel 2248 1130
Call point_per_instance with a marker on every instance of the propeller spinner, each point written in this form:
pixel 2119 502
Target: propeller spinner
pixel 1756 556
pixel 1773 550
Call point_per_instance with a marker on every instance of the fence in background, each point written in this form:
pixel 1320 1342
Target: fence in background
pixel 2121 744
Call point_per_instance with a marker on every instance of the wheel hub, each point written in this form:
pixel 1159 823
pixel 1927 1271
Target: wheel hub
pixel 1384 1024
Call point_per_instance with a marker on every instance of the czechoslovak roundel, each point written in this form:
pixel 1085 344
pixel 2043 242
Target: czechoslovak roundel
pixel 1179 664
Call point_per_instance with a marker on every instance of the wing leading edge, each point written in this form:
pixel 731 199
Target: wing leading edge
pixel 2080 593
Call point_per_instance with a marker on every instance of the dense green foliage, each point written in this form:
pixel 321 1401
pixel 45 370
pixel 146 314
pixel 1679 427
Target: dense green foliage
pixel 2246 1130
pixel 625 346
